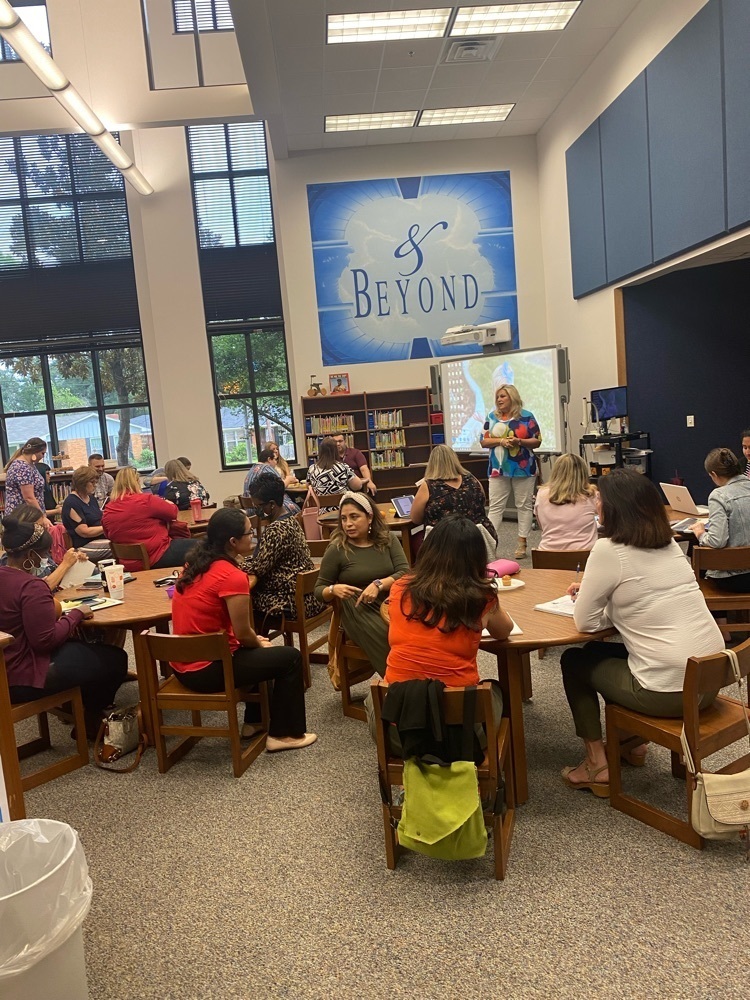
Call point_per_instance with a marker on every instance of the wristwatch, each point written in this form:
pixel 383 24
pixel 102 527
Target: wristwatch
pixel 378 584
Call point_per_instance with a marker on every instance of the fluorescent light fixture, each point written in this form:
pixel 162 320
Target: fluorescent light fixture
pixel 30 51
pixel 136 179
pixel 358 123
pixel 79 110
pixel 387 25
pixel 8 15
pixel 503 18
pixel 466 116
pixel 113 150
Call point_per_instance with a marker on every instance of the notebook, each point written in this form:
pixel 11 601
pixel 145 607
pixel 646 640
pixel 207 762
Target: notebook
pixel 560 606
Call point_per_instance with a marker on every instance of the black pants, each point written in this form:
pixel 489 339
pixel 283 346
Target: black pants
pixel 738 584
pixel 280 664
pixel 98 670
pixel 175 554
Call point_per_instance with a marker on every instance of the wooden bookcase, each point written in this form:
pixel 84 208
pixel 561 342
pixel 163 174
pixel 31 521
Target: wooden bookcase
pixel 394 429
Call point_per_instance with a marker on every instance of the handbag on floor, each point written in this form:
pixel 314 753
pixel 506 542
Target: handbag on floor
pixel 310 515
pixel 120 733
pixel 721 802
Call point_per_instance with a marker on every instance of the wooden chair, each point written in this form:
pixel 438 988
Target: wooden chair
pixel 171 695
pixel 246 503
pixel 353 665
pixel 330 500
pixel 490 773
pixel 11 714
pixel 318 547
pixel 572 559
pixel 302 626
pixel 738 558
pixel 135 551
pixel 708 731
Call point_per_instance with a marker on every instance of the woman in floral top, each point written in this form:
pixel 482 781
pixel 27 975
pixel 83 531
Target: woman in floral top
pixel 23 482
pixel 281 555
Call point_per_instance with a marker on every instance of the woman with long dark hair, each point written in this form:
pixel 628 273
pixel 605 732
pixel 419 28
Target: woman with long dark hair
pixel 213 595
pixel 638 580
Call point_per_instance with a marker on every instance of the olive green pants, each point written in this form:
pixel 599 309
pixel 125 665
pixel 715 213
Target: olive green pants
pixel 601 668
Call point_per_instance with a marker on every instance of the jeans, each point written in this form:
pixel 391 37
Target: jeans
pixel 97 669
pixel 175 554
pixel 522 488
pixel 280 664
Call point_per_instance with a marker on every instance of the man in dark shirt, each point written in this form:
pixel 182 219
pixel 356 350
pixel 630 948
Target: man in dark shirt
pixel 356 461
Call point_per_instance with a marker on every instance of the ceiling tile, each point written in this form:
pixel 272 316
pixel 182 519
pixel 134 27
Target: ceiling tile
pixel 301 29
pixel 296 59
pixel 350 83
pixel 297 124
pixel 501 70
pixel 528 109
pixel 459 97
pixel 404 100
pixel 500 93
pixel 605 13
pixel 483 130
pixel 305 83
pixel 426 52
pixel 586 42
pixel 302 140
pixel 304 104
pixel 530 127
pixel 408 78
pixel 547 89
pixel 459 76
pixel 532 45
pixel 568 69
pixel 363 55
pixel 347 104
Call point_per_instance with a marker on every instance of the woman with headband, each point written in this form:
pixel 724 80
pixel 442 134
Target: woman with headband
pixel 44 657
pixel 359 567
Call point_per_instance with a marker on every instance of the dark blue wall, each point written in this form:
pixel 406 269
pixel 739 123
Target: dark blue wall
pixel 667 166
pixel 688 348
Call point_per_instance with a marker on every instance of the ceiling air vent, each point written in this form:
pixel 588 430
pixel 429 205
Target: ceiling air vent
pixel 472 50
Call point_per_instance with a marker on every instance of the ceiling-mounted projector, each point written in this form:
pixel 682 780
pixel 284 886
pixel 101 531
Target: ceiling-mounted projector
pixel 486 334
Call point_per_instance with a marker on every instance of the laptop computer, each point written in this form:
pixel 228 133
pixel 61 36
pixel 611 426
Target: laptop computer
pixel 679 499
pixel 402 505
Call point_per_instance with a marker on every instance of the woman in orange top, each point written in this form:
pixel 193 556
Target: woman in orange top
pixel 438 611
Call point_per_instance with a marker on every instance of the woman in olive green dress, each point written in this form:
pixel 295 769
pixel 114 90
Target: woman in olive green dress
pixel 359 566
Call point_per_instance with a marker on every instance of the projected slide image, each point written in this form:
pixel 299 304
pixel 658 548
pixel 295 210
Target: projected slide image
pixel 469 391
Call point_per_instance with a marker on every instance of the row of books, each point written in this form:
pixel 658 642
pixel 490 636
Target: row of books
pixel 390 459
pixel 384 419
pixel 335 424
pixel 313 442
pixel 388 439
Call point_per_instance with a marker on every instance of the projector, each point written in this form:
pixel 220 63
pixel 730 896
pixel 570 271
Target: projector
pixel 487 334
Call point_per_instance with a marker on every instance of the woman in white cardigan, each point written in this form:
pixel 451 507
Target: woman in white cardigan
pixel 638 580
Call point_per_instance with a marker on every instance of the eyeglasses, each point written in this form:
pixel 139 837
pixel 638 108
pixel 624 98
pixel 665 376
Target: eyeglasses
pixel 250 532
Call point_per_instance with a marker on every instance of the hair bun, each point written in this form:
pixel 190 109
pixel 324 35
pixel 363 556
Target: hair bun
pixel 16 533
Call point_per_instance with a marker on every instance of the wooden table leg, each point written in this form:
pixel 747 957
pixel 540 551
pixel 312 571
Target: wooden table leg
pixel 406 543
pixel 144 684
pixel 510 667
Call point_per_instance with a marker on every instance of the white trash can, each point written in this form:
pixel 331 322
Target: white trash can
pixel 45 894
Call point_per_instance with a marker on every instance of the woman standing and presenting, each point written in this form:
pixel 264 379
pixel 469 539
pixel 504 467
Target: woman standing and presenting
pixel 82 515
pixel 566 507
pixel 24 483
pixel 361 563
pixel 512 434
pixel 638 580
pixel 213 595
pixel 728 516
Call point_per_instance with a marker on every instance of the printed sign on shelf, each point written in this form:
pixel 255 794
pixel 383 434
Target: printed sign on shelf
pixel 398 261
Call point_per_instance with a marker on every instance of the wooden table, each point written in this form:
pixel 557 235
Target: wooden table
pixel 197 527
pixel 540 630
pixel 145 606
pixel 401 525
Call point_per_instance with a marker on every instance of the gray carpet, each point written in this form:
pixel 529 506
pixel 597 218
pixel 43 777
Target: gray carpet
pixel 275 885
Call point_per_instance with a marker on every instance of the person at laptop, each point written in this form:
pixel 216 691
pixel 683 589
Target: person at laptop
pixel 448 488
pixel 746 452
pixel 356 461
pixel 728 516
pixel 638 580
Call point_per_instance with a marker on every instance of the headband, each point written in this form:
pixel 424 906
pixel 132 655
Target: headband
pixel 359 499
pixel 35 535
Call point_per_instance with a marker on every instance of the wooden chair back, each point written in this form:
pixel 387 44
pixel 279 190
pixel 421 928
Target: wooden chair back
pixel 706 674
pixel 318 547
pixel 136 552
pixel 572 559
pixel 737 558
pixel 490 773
pixel 171 695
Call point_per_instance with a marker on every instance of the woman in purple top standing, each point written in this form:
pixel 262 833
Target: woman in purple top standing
pixel 23 481
pixel 44 657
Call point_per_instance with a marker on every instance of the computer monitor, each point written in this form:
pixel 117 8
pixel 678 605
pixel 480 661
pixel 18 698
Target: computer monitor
pixel 609 403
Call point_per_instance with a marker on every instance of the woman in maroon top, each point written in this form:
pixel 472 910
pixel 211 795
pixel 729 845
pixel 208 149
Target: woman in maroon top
pixel 136 518
pixel 43 657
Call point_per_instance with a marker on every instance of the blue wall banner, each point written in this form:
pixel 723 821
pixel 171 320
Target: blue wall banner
pixel 399 260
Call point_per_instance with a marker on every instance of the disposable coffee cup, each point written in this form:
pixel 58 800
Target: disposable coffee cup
pixel 102 564
pixel 196 506
pixel 115 581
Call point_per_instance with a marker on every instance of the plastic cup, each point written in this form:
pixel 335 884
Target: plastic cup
pixel 102 565
pixel 196 506
pixel 115 581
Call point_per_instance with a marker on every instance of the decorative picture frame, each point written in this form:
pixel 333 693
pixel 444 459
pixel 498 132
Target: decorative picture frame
pixel 338 385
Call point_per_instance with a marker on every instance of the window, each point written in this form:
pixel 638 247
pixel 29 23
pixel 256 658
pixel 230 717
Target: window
pixel 80 401
pixel 210 15
pixel 241 290
pixel 34 16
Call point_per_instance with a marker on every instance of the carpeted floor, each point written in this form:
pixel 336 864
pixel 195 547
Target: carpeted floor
pixel 275 885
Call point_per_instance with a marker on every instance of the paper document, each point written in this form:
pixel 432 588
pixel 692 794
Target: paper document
pixel 514 631
pixel 78 573
pixel 98 605
pixel 560 606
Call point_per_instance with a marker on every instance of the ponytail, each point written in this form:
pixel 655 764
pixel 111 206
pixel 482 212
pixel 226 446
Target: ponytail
pixel 722 462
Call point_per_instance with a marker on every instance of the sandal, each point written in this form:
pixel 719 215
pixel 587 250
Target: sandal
pixel 599 788
pixel 634 759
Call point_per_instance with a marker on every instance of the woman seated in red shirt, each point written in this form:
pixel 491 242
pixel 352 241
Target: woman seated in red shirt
pixel 135 518
pixel 213 595
pixel 44 656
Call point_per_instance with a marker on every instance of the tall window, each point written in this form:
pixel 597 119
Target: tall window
pixel 71 360
pixel 209 15
pixel 241 291
pixel 34 16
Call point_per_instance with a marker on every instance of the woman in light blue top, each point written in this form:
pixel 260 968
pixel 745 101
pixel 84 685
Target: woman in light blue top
pixel 728 516
pixel 512 434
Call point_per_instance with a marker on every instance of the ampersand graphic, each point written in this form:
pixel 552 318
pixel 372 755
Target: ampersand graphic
pixel 412 245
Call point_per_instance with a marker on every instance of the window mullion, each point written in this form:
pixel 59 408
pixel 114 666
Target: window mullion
pixel 100 403
pixel 50 404
pixel 25 206
pixel 74 199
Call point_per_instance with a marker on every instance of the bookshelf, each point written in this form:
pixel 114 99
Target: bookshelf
pixel 394 429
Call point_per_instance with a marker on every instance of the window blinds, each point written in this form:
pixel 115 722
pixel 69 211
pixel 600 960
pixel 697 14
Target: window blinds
pixel 211 15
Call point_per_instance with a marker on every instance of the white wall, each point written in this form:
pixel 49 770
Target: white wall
pixel 291 177
pixel 587 326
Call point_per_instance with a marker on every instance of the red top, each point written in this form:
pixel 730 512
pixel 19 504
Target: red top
pixel 418 652
pixel 354 458
pixel 27 612
pixel 139 518
pixel 202 607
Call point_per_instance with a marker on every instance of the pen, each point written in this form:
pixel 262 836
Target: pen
pixel 578 571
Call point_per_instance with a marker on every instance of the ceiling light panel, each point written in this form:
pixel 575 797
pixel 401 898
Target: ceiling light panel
pixel 359 123
pixel 503 18
pixel 387 25
pixel 466 116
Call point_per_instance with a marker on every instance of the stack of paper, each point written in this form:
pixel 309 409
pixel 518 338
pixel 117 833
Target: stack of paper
pixel 560 606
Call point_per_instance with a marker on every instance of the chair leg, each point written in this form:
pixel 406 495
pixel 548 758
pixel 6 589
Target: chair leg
pixel 392 849
pixel 678 765
pixel 304 648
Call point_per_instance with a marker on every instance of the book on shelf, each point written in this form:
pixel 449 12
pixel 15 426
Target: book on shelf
pixel 383 420
pixel 313 443
pixel 388 459
pixel 387 439
pixel 334 424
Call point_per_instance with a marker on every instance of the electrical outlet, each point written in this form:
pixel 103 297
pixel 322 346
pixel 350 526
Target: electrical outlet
pixel 690 420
